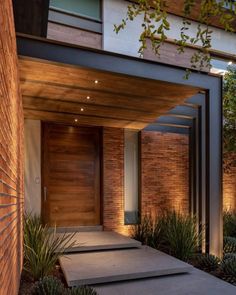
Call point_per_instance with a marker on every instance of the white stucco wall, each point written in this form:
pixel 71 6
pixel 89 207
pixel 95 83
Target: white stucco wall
pixel 33 166
pixel 126 42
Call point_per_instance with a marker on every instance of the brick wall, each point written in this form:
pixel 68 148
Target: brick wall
pixel 11 177
pixel 164 180
pixel 113 179
pixel 164 172
pixel 229 188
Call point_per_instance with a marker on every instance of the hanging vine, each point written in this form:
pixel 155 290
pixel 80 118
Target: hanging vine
pixel 155 25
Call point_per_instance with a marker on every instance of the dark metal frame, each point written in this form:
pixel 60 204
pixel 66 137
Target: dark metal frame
pixel 211 162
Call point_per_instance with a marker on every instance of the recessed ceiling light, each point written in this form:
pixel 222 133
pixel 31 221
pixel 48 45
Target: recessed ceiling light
pixel 76 120
pixel 230 63
pixel 96 81
pixel 82 109
pixel 88 97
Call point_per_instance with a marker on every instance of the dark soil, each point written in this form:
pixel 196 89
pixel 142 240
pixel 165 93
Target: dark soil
pixel 26 284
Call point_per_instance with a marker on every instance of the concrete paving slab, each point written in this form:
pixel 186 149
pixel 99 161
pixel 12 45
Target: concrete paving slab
pixel 79 229
pixel 118 265
pixel 194 283
pixel 105 240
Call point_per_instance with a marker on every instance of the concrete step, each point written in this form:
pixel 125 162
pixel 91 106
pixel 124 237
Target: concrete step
pixel 104 240
pixel 119 265
pixel 79 229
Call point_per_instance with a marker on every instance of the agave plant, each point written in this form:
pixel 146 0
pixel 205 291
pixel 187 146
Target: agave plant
pixel 82 290
pixel 42 247
pixel 207 262
pixel 48 286
pixel 228 268
pixel 181 238
pixel 229 245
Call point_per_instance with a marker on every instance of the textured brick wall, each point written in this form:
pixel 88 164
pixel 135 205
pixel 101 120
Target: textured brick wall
pixel 164 181
pixel 229 188
pixel 11 176
pixel 113 179
pixel 164 178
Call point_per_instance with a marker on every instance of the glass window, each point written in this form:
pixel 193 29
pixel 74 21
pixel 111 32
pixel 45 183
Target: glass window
pixel 131 175
pixel 228 4
pixel 88 8
pixel 219 66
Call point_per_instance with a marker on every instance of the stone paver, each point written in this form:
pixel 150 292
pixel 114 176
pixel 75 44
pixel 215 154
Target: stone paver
pixel 105 240
pixel 194 283
pixel 118 265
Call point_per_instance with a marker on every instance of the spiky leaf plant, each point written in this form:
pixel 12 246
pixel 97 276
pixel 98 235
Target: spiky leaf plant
pixel 229 221
pixel 228 268
pixel 143 230
pixel 48 286
pixel 42 247
pixel 181 238
pixel 229 245
pixel 206 262
pixel 82 290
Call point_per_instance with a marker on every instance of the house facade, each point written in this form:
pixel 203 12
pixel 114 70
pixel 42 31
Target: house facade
pixel 94 135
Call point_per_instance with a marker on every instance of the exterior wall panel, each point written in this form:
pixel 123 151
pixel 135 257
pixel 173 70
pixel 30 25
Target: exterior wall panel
pixel 164 172
pixel 11 156
pixel 113 179
pixel 229 189
pixel 127 41
pixel 32 166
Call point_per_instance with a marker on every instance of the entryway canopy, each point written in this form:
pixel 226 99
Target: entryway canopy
pixel 72 84
pixel 65 93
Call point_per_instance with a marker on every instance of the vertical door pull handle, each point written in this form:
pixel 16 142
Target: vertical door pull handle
pixel 45 194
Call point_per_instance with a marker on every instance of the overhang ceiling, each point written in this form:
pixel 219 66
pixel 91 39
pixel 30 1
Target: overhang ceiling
pixel 65 93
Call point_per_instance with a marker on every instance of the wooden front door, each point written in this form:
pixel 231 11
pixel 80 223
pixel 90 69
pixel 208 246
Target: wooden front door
pixel 71 175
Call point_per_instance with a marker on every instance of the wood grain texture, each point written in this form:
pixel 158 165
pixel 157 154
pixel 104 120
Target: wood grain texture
pixel 169 55
pixel 71 175
pixel 176 7
pixel 51 90
pixel 74 36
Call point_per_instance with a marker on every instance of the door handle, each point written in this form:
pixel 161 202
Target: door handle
pixel 45 193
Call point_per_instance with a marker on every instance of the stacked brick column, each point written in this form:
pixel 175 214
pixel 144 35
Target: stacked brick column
pixel 11 152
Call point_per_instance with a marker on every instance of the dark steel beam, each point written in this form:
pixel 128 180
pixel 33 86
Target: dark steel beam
pixel 117 63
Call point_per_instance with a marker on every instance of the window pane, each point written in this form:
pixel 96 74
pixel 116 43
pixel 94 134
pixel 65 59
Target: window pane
pixel 131 201
pixel 89 8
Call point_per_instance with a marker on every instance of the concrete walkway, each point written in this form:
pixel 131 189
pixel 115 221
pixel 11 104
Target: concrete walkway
pixel 194 283
pixel 101 240
pixel 117 265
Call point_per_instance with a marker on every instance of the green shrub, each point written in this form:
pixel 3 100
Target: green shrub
pixel 229 221
pixel 48 286
pixel 149 231
pixel 206 262
pixel 42 247
pixel 171 232
pixel 229 245
pixel 228 268
pixel 143 230
pixel 180 237
pixel 82 290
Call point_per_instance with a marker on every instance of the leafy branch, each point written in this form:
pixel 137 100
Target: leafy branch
pixel 155 25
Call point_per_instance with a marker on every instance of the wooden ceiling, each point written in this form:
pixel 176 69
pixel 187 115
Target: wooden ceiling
pixel 58 92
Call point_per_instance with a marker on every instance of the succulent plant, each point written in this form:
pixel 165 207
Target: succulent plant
pixel 48 286
pixel 207 262
pixel 228 268
pixel 82 290
pixel 229 245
